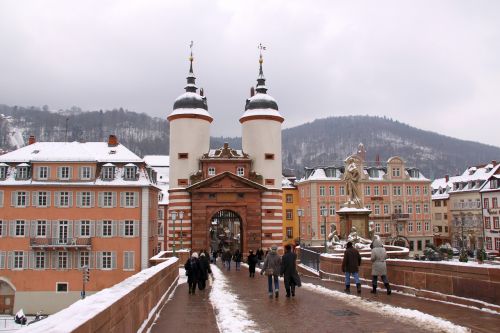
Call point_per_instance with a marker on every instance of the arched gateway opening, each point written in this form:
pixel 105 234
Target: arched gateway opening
pixel 226 230
pixel 7 294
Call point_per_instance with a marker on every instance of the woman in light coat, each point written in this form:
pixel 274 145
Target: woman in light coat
pixel 272 267
pixel 379 268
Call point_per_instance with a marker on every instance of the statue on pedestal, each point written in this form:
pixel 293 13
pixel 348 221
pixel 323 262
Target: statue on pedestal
pixel 351 177
pixel 332 236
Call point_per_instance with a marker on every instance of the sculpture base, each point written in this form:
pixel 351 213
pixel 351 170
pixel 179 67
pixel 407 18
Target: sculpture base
pixel 354 217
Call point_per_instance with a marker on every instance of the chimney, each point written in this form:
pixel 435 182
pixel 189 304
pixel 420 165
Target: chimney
pixel 494 162
pixel 226 145
pixel 252 91
pixel 31 140
pixel 112 141
pixel 447 178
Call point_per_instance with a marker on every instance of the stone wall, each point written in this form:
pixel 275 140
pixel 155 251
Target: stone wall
pixel 437 280
pixel 129 306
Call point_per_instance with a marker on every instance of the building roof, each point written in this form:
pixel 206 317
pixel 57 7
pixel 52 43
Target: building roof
pixel 473 178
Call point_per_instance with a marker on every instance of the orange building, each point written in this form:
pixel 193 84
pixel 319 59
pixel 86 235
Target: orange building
pixel 290 212
pixel 66 206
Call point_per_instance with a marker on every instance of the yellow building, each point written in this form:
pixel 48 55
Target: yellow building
pixel 290 217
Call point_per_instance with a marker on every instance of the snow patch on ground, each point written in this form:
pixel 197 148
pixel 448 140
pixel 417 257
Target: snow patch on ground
pixel 231 314
pixel 414 317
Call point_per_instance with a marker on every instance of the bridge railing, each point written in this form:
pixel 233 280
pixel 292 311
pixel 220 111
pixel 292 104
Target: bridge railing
pixel 310 258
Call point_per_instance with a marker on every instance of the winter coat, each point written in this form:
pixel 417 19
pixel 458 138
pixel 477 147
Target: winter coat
pixel 226 256
pixel 193 270
pixel 351 261
pixel 378 258
pixel 252 261
pixel 205 268
pixel 237 256
pixel 289 270
pixel 273 260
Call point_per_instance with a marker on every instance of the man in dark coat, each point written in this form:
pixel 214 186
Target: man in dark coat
pixel 289 271
pixel 205 270
pixel 226 258
pixel 252 261
pixel 350 265
pixel 193 272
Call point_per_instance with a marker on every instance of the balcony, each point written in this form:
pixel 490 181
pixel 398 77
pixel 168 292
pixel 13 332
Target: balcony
pixel 61 243
pixel 400 217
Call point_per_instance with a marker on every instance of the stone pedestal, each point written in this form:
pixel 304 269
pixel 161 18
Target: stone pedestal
pixel 354 217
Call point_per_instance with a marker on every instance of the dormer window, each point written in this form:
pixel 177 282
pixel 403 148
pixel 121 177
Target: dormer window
pixel 493 183
pixel 211 171
pixel 43 172
pixel 396 172
pixel 64 173
pixel 3 171
pixel 108 172
pixel 130 172
pixel 22 171
pixel 240 171
pixel 373 173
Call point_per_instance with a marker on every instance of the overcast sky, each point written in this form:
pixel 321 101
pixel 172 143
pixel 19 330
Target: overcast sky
pixel 432 64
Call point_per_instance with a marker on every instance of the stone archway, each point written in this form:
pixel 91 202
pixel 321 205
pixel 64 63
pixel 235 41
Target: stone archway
pixel 7 295
pixel 226 231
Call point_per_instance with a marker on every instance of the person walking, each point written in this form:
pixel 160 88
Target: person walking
pixel 193 272
pixel 237 259
pixel 226 257
pixel 252 262
pixel 272 267
pixel 350 265
pixel 289 271
pixel 260 255
pixel 214 255
pixel 379 267
pixel 205 270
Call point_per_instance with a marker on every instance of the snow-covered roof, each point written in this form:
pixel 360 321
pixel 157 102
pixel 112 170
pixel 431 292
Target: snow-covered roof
pixel 262 112
pixel 130 165
pixel 71 152
pixel 3 165
pixel 186 111
pixel 23 165
pixel 157 160
pixel 109 165
pixel 286 183
pixel 217 152
pixel 473 178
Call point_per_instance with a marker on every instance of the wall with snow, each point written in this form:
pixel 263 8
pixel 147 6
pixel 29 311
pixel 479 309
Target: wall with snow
pixel 125 307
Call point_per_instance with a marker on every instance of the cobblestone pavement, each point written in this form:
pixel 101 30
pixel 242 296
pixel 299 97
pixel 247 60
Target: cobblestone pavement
pixel 310 311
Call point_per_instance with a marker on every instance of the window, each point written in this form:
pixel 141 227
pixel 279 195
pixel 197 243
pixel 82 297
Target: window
pixel 107 199
pixel 419 245
pixel 496 223
pixel 108 173
pixel 332 210
pixel 130 172
pixel 396 172
pixel 412 245
pixel 426 190
pixel 269 181
pixel 332 190
pixel 129 228
pixel 488 243
pixel 408 190
pixel 367 190
pixel 409 209
pixel 39 260
pixel 387 228
pixel 2 229
pixel 396 190
pixel 417 208
pixel 21 199
pixel 22 172
pixel 289 232
pixel 437 203
pixel 20 228
pixel 211 171
pixel 289 198
pixel 182 182
pixel 41 228
pixel 85 228
pixel 63 173
pixel 342 190
pixel 84 260
pixel 417 190
pixel 64 199
pixel 377 228
pixel 427 225
pixel 410 226
pixel 240 171
pixel 486 203
pixel 107 228
pixel 160 214
pixel 62 287
pixel 289 214
pixel 62 260
pixel 385 190
pixel 106 260
pixel 377 209
pixel 85 173
pixel 419 226
pixel 128 260
pixel 398 209
pixel 322 229
pixel 3 172
pixel 183 156
pixel 426 208
pixel 212 195
pixel 494 202
pixel 386 209
pixel 269 156
pixel 85 199
pixel 437 216
pixel 43 172
pixel 129 199
pixel 322 191
pixel 376 190
pixel 18 260
pixel 497 243
pixel 42 199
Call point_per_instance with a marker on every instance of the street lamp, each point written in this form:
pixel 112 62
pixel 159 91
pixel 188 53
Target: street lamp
pixel 174 217
pixel 300 213
pixel 323 213
pixel 181 216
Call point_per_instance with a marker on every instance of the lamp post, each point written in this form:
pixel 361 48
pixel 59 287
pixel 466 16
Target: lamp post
pixel 300 213
pixel 181 216
pixel 323 213
pixel 174 217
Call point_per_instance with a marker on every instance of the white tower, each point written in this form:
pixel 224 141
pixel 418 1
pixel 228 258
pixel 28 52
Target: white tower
pixel 189 132
pixel 261 133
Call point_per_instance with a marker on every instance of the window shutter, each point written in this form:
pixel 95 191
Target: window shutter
pixel 2 259
pixel 98 258
pixel 99 228
pixel 125 259
pixel 32 260
pixel 91 260
pixel 114 198
pixel 70 199
pixel 70 259
pixel 13 197
pixel 53 260
pixel 34 224
pixel 12 228
pixel 113 228
pixel 27 228
pixel 25 259
pixel 122 228
pixel 70 229
pixel 70 172
pixel 101 199
pixel 48 172
pixel 122 199
pixel 59 172
pixel 48 229
pixel 80 172
pixel 9 259
pixel 48 199
pixel 113 260
pixel 92 228
pixel 27 199
pixel 54 228
pixel 78 199
pixel 136 199
pixel 92 199
pixel 78 230
pixel 34 202
pixel 56 198
pixel 136 228
pixel 1 198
